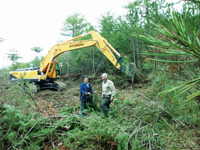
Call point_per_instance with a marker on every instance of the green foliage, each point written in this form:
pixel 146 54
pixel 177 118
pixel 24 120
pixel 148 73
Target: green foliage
pixel 13 56
pixel 180 42
pixel 4 74
pixel 74 25
pixel 133 123
pixel 1 40
pixel 97 81
pixel 37 49
pixel 17 126
pixel 37 60
pixel 23 65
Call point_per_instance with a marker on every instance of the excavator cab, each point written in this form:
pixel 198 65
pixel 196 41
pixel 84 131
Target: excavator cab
pixel 54 70
pixel 58 70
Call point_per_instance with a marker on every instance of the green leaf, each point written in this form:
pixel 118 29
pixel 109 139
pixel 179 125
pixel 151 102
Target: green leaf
pixel 168 61
pixel 190 97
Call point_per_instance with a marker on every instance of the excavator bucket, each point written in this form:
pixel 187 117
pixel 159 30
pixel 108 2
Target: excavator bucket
pixel 130 71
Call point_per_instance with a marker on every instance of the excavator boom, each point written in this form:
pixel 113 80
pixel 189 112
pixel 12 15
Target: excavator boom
pixel 49 70
pixel 97 40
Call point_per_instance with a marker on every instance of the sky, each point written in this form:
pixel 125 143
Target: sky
pixel 25 24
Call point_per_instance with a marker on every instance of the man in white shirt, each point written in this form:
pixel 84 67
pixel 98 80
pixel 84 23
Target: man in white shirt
pixel 108 92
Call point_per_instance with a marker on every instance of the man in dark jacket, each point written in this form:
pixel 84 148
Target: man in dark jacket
pixel 85 94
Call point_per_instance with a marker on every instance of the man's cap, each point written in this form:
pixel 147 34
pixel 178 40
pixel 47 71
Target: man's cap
pixel 85 76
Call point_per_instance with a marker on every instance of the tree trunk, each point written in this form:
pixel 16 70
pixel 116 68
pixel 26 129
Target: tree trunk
pixel 93 67
pixel 133 52
pixel 138 56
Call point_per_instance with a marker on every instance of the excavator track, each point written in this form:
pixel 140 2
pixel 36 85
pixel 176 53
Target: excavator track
pixel 56 85
pixel 61 85
pixel 33 88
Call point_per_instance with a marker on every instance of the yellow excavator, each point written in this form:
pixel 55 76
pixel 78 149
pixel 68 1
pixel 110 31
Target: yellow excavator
pixel 45 76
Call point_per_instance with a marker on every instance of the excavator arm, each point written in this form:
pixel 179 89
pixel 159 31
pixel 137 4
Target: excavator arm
pixel 97 40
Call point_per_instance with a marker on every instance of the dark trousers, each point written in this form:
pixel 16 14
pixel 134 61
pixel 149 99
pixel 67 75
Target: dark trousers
pixel 89 103
pixel 105 104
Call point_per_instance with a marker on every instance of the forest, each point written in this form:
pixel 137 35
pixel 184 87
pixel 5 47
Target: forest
pixel 159 109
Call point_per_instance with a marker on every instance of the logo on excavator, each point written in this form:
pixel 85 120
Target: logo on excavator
pixel 75 45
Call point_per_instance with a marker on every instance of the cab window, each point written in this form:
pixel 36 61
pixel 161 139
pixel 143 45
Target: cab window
pixel 57 68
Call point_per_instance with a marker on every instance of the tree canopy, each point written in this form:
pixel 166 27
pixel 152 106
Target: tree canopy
pixel 74 25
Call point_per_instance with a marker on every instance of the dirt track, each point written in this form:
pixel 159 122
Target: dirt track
pixel 56 100
pixel 68 96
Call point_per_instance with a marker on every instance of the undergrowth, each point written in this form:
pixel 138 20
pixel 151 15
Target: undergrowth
pixel 144 122
pixel 138 119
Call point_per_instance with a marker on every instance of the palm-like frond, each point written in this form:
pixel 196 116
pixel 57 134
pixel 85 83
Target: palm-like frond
pixel 170 61
pixel 181 39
